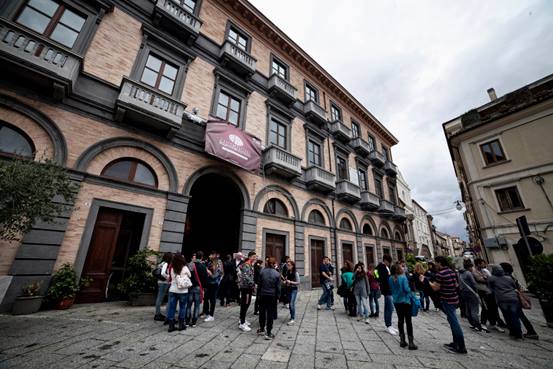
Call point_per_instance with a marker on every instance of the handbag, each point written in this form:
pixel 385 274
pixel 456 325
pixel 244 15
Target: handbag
pixel 342 290
pixel 524 300
pixel 183 282
pixel 415 303
pixel 157 274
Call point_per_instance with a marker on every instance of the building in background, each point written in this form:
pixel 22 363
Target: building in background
pixel 422 230
pixel 404 193
pixel 119 93
pixel 502 154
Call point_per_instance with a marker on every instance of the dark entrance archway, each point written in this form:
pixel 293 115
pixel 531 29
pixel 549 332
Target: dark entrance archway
pixel 213 217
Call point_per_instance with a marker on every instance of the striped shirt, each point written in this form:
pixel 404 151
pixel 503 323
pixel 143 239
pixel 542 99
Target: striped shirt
pixel 448 286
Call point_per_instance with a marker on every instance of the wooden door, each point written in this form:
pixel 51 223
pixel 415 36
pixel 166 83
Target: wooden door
pixel 347 253
pixel 100 254
pixel 369 252
pixel 317 253
pixel 274 246
pixel 399 254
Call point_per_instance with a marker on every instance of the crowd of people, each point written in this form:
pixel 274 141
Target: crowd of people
pixel 480 291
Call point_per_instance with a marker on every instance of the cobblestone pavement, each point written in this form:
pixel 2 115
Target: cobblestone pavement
pixel 113 335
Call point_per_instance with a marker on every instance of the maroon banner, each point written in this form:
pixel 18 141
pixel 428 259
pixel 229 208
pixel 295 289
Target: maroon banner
pixel 230 143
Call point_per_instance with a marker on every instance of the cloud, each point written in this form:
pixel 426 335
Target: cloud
pixel 417 64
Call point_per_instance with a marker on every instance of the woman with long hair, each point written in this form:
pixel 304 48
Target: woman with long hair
pixel 374 293
pixel 401 293
pixel 361 290
pixel 347 280
pixel 214 275
pixel 178 292
pixel 162 285
pixel 292 282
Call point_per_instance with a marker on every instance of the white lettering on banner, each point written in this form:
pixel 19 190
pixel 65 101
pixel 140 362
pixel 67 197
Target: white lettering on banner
pixel 235 153
pixel 228 143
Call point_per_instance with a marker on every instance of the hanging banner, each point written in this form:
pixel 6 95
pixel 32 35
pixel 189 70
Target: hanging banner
pixel 231 144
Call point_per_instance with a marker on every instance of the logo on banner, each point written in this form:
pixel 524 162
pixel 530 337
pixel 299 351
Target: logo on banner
pixel 236 140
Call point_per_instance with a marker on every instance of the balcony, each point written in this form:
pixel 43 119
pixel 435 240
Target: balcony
pixel 139 103
pixel 377 158
pixel 369 201
pixel 347 191
pixel 171 15
pixel 319 179
pixel 237 59
pixel 386 207
pixel 399 213
pixel 315 113
pixel 280 162
pixel 37 60
pixel 360 146
pixel 340 131
pixel 390 168
pixel 282 89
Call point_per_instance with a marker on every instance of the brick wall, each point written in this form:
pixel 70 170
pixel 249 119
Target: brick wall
pixel 198 87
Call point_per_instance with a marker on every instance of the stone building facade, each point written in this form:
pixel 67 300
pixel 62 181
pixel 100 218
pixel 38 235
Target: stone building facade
pixel 119 92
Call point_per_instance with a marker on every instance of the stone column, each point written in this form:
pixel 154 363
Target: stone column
pixel 174 222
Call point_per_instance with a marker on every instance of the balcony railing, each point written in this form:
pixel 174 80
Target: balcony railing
pixel 315 112
pixel 360 146
pixel 386 207
pixel 282 89
pixel 142 103
pixel 369 201
pixel 377 158
pixel 37 56
pixel 319 179
pixel 281 162
pixel 238 59
pixel 340 131
pixel 399 213
pixel 347 191
pixel 390 168
pixel 172 14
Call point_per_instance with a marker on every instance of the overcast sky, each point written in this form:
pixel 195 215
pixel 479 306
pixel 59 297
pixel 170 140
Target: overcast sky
pixel 418 64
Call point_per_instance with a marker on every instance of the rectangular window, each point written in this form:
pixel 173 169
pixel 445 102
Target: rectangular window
pixel 354 130
pixel 335 113
pixel 341 167
pixel 392 194
pixel 53 20
pixel 378 186
pixel 311 93
pixel 189 5
pixel 228 108
pixel 492 152
pixel 362 179
pixel 277 134
pixel 314 153
pixel 159 74
pixel 509 199
pixel 280 69
pixel 237 38
pixel 385 153
pixel 372 143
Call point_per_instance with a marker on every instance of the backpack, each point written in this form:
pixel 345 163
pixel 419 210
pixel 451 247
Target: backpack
pixel 183 282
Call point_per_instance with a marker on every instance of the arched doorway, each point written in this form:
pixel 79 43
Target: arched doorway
pixel 213 217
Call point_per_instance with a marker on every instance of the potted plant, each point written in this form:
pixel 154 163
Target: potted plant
pixel 64 287
pixel 540 282
pixel 139 284
pixel 30 300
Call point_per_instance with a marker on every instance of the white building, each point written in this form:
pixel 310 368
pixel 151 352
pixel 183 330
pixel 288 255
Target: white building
pixel 404 194
pixel 421 231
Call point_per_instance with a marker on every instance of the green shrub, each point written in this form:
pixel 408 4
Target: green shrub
pixel 64 284
pixel 540 276
pixel 139 278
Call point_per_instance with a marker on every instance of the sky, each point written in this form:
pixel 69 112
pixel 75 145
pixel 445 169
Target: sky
pixel 418 64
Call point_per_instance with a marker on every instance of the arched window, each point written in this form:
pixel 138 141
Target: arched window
pixel 275 207
pixel 384 233
pixel 367 230
pixel 131 170
pixel 397 236
pixel 316 217
pixel 14 141
pixel 345 224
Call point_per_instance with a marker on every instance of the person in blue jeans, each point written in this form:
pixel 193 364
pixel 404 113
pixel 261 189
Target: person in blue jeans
pixel 162 285
pixel 375 294
pixel 505 288
pixel 326 284
pixel 178 292
pixel 383 270
pixel 292 282
pixel 199 281
pixel 446 284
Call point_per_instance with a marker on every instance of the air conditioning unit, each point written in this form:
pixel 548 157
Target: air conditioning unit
pixel 495 242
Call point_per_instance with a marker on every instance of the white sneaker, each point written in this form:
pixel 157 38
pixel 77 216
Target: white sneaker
pixel 291 322
pixel 367 321
pixel 209 319
pixel 498 328
pixel 247 323
pixel 395 330
pixel 244 328
pixel 332 307
pixel 319 307
pixel 391 330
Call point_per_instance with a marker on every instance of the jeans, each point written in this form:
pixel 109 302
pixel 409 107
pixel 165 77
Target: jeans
pixel 161 291
pixel 456 331
pixel 245 301
pixel 182 299
pixel 362 308
pixel 472 305
pixel 293 295
pixel 489 310
pixel 388 310
pixel 403 312
pixel 373 300
pixel 210 299
pixel 325 297
pixel 193 298
pixel 511 312
pixel 267 307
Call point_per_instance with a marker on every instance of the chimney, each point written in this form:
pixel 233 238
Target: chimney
pixel 491 94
